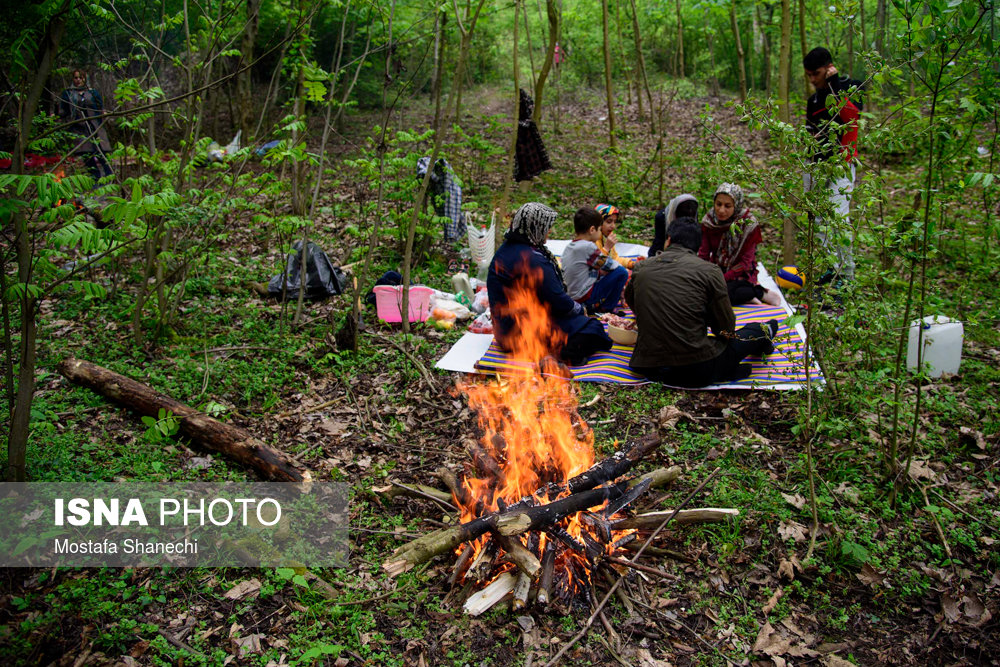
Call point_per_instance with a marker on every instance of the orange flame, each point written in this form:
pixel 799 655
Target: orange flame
pixel 530 423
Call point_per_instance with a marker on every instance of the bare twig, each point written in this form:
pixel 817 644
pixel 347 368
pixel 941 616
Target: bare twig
pixel 590 620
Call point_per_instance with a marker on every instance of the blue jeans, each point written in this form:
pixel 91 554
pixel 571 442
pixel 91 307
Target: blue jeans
pixel 607 291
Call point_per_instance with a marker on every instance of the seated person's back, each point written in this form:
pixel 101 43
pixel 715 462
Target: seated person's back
pixel 524 262
pixel 676 298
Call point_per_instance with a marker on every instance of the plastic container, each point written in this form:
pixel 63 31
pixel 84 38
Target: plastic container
pixel 462 286
pixel 389 303
pixel 942 342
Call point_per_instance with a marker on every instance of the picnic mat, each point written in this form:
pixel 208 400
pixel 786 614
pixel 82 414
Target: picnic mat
pixel 783 369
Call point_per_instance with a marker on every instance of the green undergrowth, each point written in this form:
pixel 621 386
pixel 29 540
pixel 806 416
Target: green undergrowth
pixel 236 355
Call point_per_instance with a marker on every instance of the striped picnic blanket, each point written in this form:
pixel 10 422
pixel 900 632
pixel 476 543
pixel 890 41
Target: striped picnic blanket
pixel 782 369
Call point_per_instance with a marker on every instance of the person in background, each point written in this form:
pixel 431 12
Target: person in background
pixel 522 258
pixel 676 298
pixel 681 206
pixel 729 238
pixel 83 106
pixel 832 118
pixel 592 277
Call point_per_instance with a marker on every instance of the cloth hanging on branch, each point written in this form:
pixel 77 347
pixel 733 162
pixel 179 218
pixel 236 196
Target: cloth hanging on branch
pixel 447 196
pixel 531 156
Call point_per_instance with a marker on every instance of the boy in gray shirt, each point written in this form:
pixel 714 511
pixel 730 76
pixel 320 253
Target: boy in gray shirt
pixel 592 277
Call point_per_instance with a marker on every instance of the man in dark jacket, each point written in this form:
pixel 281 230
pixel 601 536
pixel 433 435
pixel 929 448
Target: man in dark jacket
pixel 832 119
pixel 676 298
pixel 524 268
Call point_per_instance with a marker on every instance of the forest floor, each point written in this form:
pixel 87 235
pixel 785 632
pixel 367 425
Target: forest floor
pixel 881 588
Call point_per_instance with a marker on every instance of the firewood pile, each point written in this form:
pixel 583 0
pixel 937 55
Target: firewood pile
pixel 561 539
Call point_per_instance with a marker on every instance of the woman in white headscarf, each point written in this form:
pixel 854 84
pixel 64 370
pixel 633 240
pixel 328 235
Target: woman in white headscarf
pixel 681 206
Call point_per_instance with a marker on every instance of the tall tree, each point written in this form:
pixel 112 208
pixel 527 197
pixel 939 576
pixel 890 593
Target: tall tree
pixel 508 178
pixel 31 90
pixel 741 62
pixel 679 68
pixel 765 46
pixel 244 85
pixel 784 61
pixel 466 26
pixel 552 11
pixel 880 21
pixel 802 44
pixel 607 75
pixel 637 37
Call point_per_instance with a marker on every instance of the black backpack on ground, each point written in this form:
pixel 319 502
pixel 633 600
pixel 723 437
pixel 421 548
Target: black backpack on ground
pixel 323 279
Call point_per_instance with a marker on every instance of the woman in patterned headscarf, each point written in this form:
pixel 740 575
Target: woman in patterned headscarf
pixel 523 257
pixel 729 237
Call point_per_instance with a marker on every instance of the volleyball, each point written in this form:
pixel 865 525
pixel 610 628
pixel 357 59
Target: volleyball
pixel 790 278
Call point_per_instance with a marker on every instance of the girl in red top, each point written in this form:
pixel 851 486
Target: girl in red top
pixel 729 238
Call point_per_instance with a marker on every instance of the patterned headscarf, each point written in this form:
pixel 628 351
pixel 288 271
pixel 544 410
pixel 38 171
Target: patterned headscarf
pixel 606 210
pixel 532 223
pixel 738 227
pixel 739 211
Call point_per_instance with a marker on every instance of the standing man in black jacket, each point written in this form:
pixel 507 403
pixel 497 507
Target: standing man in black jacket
pixel 832 119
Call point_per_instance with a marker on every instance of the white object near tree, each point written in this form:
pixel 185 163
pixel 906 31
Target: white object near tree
pixel 942 344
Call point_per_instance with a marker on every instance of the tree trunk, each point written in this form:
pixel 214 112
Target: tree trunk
pixel 713 80
pixel 637 36
pixel 233 441
pixel 531 56
pixel 17 434
pixel 679 69
pixel 765 42
pixel 802 45
pixel 455 95
pixel 550 50
pixel 850 47
pixel 741 64
pixel 784 61
pixel 621 46
pixel 439 18
pixel 880 21
pixel 508 177
pixel 864 30
pixel 607 75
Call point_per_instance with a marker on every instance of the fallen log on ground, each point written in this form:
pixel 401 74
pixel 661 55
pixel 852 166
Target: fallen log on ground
pixel 228 439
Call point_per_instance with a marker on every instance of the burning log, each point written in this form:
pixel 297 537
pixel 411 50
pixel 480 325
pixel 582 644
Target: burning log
pixel 449 479
pixel 516 553
pixel 433 544
pixel 233 441
pixel 515 521
pixel 521 590
pixel 548 566
pixel 485 464
pixel 701 515
pixel 460 564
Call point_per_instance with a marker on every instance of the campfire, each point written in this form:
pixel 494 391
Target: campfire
pixel 538 516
